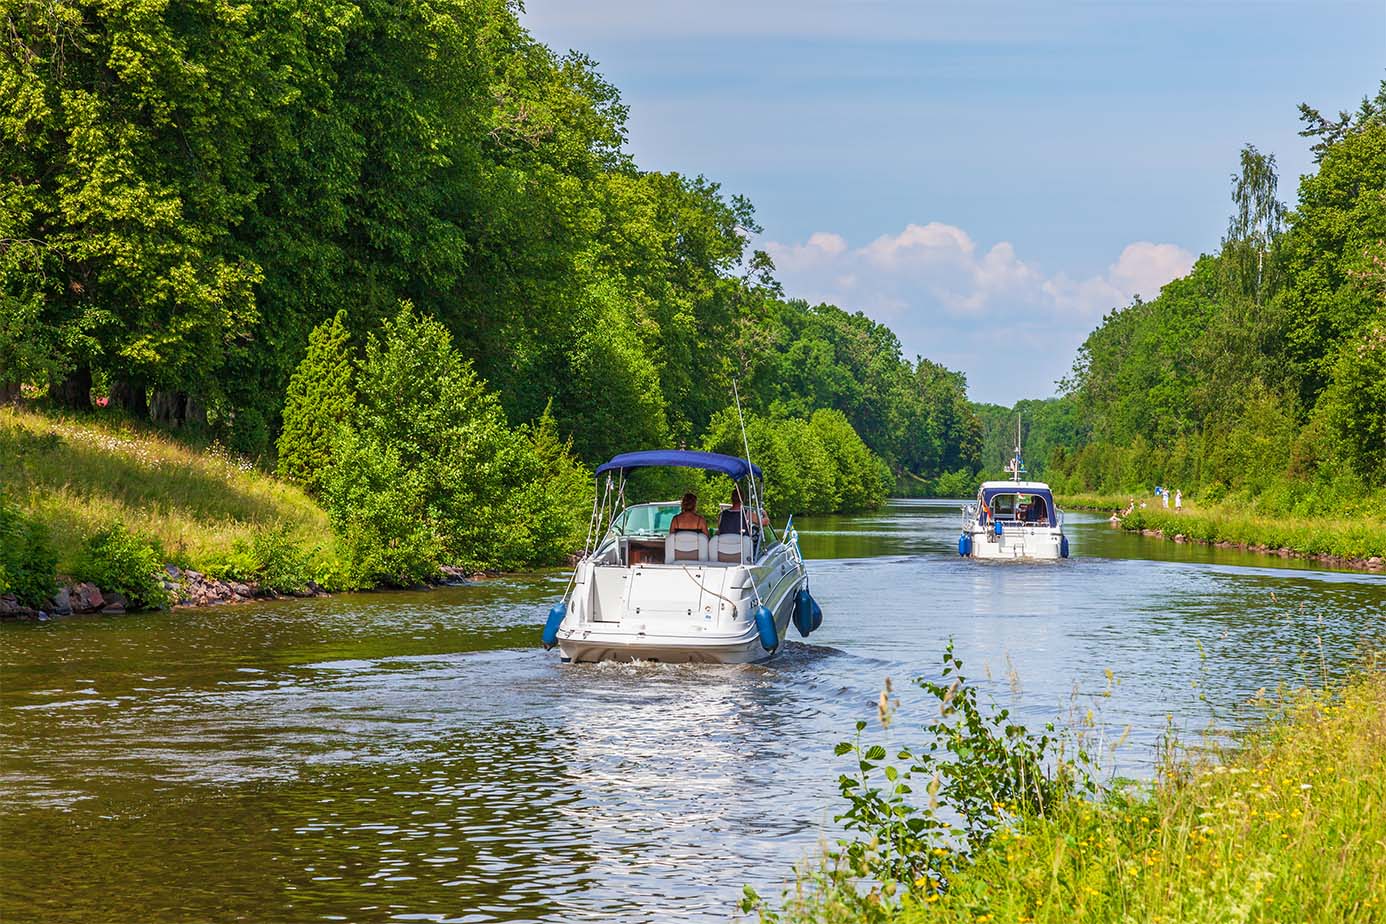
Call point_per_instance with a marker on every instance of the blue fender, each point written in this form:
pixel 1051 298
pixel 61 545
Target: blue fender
pixel 803 612
pixel 765 625
pixel 998 527
pixel 556 616
pixel 1063 546
pixel 964 545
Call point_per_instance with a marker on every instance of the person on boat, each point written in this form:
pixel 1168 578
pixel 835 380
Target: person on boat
pixel 688 518
pixel 735 520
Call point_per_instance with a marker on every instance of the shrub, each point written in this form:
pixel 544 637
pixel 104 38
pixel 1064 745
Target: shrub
pixel 27 559
pixel 318 402
pixel 910 826
pixel 961 483
pixel 381 515
pixel 861 479
pixel 270 558
pixel 429 471
pixel 118 561
pixel 1354 404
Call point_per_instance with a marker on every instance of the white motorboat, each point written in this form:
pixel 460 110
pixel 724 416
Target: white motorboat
pixel 1013 519
pixel 642 592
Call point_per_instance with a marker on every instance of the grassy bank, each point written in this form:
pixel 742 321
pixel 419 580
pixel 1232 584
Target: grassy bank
pixel 202 509
pixel 1354 538
pixel 1106 503
pixel 1349 538
pixel 1288 827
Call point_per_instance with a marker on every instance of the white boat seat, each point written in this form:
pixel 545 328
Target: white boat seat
pixel 685 545
pixel 732 548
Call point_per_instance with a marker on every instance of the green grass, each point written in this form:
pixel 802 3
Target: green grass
pixel 1345 537
pixel 1101 502
pixel 1291 826
pixel 1353 536
pixel 79 475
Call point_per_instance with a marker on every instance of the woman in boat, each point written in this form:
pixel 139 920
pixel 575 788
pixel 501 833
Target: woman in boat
pixel 688 518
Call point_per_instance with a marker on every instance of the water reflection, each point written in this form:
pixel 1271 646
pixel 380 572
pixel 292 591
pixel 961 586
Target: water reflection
pixel 416 757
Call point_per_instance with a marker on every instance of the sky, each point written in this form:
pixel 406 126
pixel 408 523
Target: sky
pixel 987 178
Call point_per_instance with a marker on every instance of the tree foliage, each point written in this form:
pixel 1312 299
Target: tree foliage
pixel 1259 372
pixel 428 472
pixel 319 401
pixel 190 190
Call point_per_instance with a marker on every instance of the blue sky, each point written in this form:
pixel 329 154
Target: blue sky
pixel 958 168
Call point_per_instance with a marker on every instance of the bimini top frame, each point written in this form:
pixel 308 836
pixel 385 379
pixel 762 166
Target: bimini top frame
pixel 607 504
pixel 731 466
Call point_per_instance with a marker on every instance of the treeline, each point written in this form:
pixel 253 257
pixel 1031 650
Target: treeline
pixel 1261 375
pixel 191 190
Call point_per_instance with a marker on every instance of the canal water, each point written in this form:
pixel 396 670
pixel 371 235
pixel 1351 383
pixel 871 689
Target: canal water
pixel 417 757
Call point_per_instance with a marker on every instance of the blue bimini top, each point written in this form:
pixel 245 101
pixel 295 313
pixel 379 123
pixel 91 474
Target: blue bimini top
pixel 730 466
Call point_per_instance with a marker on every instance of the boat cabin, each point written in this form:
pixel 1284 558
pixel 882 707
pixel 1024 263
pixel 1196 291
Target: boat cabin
pixel 1026 502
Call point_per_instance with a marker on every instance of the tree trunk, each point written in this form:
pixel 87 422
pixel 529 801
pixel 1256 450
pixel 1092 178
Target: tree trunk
pixel 74 392
pixel 169 408
pixel 131 397
pixel 194 412
pixel 9 393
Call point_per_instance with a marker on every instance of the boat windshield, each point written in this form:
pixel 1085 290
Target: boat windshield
pixel 1032 508
pixel 645 520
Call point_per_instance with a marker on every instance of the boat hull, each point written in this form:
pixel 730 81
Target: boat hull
pixel 1028 543
pixel 681 613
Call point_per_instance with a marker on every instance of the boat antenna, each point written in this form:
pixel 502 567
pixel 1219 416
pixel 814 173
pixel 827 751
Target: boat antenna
pixel 746 445
pixel 1017 464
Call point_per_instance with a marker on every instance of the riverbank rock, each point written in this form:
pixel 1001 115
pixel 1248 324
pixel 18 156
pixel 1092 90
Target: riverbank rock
pixel 61 604
pixel 451 575
pixel 115 605
pixel 86 598
pixel 11 608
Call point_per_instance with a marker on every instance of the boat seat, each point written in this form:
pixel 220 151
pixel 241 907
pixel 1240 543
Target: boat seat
pixel 685 545
pixel 732 548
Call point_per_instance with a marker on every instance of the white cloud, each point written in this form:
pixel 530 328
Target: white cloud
pixel 1143 268
pixel 941 265
pixel 946 296
pixel 821 248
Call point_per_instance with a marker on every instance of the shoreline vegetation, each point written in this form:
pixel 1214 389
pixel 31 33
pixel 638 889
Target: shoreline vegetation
pixel 1282 825
pixel 1357 543
pixel 102 514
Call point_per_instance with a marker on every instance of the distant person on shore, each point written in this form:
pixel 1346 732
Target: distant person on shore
pixel 735 520
pixel 1178 500
pixel 1164 499
pixel 688 519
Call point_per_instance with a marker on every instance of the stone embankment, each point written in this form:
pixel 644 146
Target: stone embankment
pixel 185 588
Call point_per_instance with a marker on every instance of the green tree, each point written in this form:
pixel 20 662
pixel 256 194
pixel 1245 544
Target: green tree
pixel 318 403
pixel 462 487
